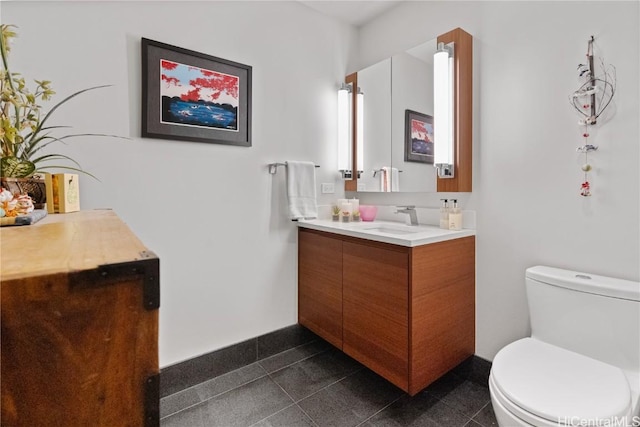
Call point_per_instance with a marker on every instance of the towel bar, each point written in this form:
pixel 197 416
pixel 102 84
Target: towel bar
pixel 273 167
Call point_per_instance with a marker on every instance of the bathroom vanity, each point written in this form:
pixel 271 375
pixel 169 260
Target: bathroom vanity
pixel 399 299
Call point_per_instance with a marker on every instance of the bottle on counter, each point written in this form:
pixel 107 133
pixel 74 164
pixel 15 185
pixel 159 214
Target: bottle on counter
pixel 444 215
pixel 455 217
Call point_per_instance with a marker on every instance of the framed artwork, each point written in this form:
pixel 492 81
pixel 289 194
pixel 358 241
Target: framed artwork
pixel 418 137
pixel 192 96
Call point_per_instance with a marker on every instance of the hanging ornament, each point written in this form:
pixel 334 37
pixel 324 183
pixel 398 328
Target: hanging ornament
pixel 590 100
pixel 585 189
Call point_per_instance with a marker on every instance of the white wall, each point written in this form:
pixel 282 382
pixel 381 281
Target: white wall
pixel 211 212
pixel 526 169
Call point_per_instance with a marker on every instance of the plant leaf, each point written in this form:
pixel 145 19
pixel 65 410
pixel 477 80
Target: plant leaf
pixel 31 147
pixel 41 168
pixel 16 168
pixel 48 157
pixel 55 107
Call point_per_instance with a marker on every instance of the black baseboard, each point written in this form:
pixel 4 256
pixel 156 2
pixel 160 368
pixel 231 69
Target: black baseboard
pixel 474 369
pixel 185 374
pixel 194 371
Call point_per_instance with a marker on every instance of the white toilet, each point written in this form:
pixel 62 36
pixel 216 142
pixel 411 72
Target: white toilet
pixel 581 365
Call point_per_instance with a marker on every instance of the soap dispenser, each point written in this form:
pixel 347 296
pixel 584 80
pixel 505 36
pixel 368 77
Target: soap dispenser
pixel 444 215
pixel 455 217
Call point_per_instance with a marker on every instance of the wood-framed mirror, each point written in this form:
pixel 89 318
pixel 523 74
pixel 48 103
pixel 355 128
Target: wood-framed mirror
pixel 394 97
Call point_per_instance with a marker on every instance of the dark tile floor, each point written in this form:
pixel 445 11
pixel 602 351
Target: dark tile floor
pixel 316 385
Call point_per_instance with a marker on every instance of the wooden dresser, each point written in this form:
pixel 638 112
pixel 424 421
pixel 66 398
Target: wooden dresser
pixel 79 306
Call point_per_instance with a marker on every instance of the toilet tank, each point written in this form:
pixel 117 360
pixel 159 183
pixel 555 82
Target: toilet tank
pixel 592 315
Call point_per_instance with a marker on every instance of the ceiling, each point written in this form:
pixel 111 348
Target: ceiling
pixel 354 12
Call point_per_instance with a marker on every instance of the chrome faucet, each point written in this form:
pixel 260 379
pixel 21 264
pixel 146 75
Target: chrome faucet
pixel 411 210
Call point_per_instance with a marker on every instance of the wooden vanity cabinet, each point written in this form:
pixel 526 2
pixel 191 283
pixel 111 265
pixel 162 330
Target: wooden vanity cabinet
pixel 320 286
pixel 407 313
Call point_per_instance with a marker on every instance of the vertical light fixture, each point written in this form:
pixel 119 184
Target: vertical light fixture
pixel 344 130
pixel 360 131
pixel 443 78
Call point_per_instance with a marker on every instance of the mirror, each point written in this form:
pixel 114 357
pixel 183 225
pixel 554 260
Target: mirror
pixel 375 82
pixel 399 90
pixel 412 119
pixel 392 86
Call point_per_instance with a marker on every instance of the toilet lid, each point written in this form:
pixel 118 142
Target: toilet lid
pixel 559 385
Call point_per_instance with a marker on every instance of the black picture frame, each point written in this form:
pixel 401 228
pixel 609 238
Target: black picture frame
pixel 192 96
pixel 418 137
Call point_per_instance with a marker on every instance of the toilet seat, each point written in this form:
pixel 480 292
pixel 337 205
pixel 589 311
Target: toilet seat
pixel 541 383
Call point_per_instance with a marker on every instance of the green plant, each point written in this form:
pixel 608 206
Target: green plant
pixel 336 210
pixel 23 131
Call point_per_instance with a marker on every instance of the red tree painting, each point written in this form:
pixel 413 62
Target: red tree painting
pixel 198 97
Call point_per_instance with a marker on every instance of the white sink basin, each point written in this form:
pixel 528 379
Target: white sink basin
pixel 390 230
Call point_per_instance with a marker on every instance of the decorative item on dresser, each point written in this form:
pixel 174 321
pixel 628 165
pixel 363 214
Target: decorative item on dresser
pixel 79 324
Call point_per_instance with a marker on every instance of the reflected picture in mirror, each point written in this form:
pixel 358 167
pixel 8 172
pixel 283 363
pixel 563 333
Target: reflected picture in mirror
pixel 418 138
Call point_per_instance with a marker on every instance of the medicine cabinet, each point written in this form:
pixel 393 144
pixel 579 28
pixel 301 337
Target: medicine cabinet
pixel 394 89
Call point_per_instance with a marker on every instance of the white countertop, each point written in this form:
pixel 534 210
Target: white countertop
pixel 396 233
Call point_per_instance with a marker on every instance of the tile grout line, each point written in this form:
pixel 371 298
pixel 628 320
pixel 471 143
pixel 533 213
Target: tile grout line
pixel 293 400
pixel 481 409
pixel 202 401
pixel 296 402
pixel 271 415
pixel 213 378
pixel 444 402
pixel 293 363
pixel 381 409
pixel 329 385
pixel 289 349
pixel 308 416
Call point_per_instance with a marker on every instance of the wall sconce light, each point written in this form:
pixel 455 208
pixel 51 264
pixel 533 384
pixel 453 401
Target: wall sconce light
pixel 360 131
pixel 344 130
pixel 443 78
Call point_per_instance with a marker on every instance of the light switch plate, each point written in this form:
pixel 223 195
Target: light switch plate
pixel 327 188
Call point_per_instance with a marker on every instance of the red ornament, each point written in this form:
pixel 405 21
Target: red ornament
pixel 586 135
pixel 585 106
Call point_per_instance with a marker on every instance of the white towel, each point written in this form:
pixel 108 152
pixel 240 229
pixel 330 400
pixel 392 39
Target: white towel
pixel 389 179
pixel 395 179
pixel 301 190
